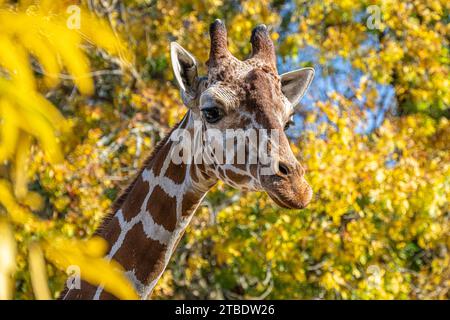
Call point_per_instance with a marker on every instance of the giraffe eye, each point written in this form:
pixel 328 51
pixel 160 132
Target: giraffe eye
pixel 212 114
pixel 289 123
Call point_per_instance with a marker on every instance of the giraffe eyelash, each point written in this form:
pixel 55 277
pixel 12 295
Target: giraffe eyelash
pixel 289 123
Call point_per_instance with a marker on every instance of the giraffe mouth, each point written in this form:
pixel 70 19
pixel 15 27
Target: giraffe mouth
pixel 288 202
pixel 290 196
pixel 280 203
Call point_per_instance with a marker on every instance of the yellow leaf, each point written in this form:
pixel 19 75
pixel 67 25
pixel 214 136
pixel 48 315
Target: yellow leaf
pixel 7 260
pixel 18 214
pixel 95 269
pixel 38 273
pixel 21 166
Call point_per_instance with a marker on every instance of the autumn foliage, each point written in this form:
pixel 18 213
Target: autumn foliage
pixel 80 109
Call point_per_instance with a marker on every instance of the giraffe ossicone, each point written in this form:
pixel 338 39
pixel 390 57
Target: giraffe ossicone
pixel 233 131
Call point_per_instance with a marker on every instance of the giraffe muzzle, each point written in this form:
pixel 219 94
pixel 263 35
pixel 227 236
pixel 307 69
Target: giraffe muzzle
pixel 287 187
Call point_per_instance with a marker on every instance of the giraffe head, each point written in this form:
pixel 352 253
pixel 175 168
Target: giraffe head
pixel 247 96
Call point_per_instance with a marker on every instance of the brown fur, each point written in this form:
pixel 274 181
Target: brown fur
pixel 163 211
pixel 148 253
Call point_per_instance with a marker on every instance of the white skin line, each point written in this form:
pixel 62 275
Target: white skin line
pixel 184 222
pixel 138 285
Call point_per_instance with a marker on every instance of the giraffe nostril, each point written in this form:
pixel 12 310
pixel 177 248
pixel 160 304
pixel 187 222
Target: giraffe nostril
pixel 283 169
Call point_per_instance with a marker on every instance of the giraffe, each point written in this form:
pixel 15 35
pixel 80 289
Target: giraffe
pixel 148 220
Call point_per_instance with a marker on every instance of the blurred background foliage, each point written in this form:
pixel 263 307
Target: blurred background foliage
pixel 79 114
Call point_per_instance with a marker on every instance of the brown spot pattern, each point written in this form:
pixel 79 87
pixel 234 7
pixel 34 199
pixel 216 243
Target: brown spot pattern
pixel 132 205
pixel 144 255
pixel 162 208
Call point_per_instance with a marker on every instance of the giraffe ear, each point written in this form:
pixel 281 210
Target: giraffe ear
pixel 295 83
pixel 184 68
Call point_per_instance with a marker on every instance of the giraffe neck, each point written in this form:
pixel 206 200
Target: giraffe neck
pixel 156 209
